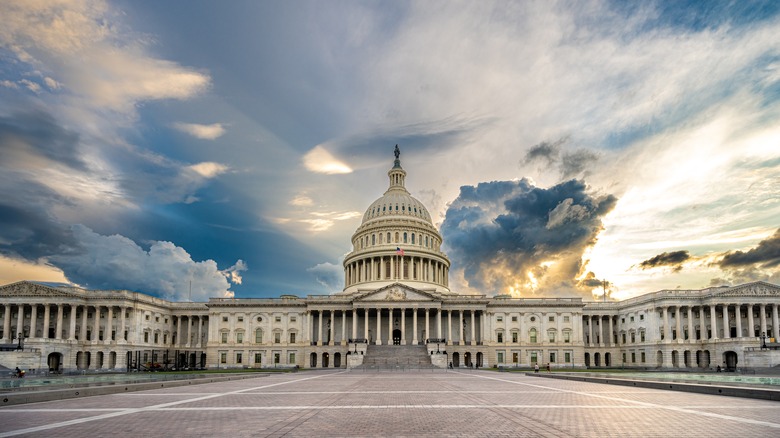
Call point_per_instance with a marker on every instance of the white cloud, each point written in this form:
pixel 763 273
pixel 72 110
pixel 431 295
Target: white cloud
pixel 8 84
pixel 321 161
pixel 116 262
pixel 302 200
pixel 51 83
pixel 209 169
pixel 205 132
pixel 328 275
pixel 32 86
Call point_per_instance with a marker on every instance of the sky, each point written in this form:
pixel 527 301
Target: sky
pixel 196 149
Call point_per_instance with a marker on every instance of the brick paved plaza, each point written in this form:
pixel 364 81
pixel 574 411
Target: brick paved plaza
pixel 426 403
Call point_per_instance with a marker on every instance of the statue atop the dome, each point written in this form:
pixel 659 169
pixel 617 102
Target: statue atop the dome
pixel 397 153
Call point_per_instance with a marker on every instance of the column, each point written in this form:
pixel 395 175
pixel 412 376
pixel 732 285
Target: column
pixel 751 322
pixel 178 331
pixel 726 326
pixel 20 320
pixel 691 332
pixel 365 326
pixel 309 328
pixel 33 321
pixel 199 344
pixel 378 326
pixel 775 324
pixel 331 327
pixel 677 322
pixel 343 327
pixel 473 340
pixel 667 329
pixel 762 314
pixel 354 323
pixel 72 334
pixel 7 324
pixel 46 323
pixel 738 315
pixel 713 322
pixel 392 268
pixel 403 326
pixel 319 328
pixel 122 315
pixel 84 313
pixel 109 324
pixel 427 324
pixel 601 330
pixel 611 330
pixel 96 325
pixel 449 327
pixel 390 326
pixel 438 323
pixel 415 341
pixel 189 330
pixel 590 330
pixel 58 325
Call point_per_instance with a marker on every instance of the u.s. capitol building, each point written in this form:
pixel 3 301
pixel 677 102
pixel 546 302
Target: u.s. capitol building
pixel 396 309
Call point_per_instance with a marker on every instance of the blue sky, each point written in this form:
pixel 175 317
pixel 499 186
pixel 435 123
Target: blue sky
pixel 234 146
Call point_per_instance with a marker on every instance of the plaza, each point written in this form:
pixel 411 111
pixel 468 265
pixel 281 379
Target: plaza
pixel 420 403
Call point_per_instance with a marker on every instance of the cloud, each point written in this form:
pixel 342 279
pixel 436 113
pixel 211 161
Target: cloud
pixel 165 270
pixel 319 160
pixel 514 237
pixel 328 275
pixel 209 169
pixel 674 259
pixel 302 200
pixel 766 255
pixel 204 132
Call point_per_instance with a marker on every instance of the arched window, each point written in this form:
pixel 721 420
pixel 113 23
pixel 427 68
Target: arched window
pixel 396 237
pixel 373 239
pixel 412 238
pixel 426 241
pixel 388 237
pixel 259 336
pixel 532 335
pixel 404 237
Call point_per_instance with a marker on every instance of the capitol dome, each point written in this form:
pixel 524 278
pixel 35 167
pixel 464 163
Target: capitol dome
pixel 396 243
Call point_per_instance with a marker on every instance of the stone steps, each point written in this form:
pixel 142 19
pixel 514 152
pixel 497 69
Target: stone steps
pixel 397 355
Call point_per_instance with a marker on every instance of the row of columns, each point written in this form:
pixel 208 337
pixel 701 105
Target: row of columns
pixel 763 312
pixel 415 313
pixel 376 269
pixel 60 310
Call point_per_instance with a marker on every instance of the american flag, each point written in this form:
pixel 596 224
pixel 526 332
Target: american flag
pixel 399 251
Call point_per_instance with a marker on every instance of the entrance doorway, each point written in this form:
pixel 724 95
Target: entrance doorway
pixel 607 359
pixel 337 360
pixel 730 359
pixel 455 360
pixel 55 361
pixel 396 337
pixel 325 360
pixel 479 360
pixel 313 360
pixel 467 360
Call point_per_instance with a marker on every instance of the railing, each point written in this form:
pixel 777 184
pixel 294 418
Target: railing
pixel 357 341
pixel 436 341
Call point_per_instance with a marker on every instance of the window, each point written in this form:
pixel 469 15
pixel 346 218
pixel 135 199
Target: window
pixel 278 319
pixel 632 319
pixel 642 336
pixel 552 357
pixel 258 358
pixel 146 337
pixel 239 357
pixel 643 356
pixel 147 317
pixel 240 319
pixel 291 358
pixel 166 320
pixel 100 335
pixel 292 338
pixel 624 338
pixel 259 319
pixel 565 319
pixel 534 358
pixel 165 339
pixel 224 319
pixel 224 337
pixel 551 336
pixel 259 336
pixel 624 357
pixel 622 320
pixel 500 337
pixel 567 357
pixel 156 319
pixel 223 357
pixel 277 358
pixel 514 337
pixel 500 357
pixel 533 318
pixel 499 319
pixel 633 357
pixel 641 317
pixel 293 319
pixel 240 338
pixel 533 335
pixel 514 319
pixel 551 319
pixel 633 337
pixel 566 337
pixel 277 338
pixel 156 338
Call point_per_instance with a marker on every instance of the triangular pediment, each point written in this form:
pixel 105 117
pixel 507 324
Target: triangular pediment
pixel 754 289
pixel 33 289
pixel 397 292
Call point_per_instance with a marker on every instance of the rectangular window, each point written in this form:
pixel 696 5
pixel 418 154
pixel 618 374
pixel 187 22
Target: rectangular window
pixel 277 338
pixel 165 339
pixel 565 319
pixel 643 357
pixel 552 357
pixel 146 337
pixel 624 338
pixel 147 317
pixel 567 357
pixel 551 336
pixel 641 317
pixel 292 338
pixel 533 336
pixel 278 319
pixel 633 357
pixel 567 337
pixel 515 357
pixel 500 337
pixel 113 335
pixel 100 335
pixel 156 319
pixel 277 358
pixel 624 357
pixel 533 357
pixel 258 358
pixel 642 336
pixel 552 319
pixel 291 358
pixel 633 337
pixel 258 336
pixel 239 338
pixel 514 319
pixel 293 319
pixel 156 338
pixel 632 319
pixel 239 357
pixel 674 334
pixel 224 337
pixel 240 319
pixel 222 357
pixel 500 357
pixel 499 319
pixel 224 319
pixel 514 337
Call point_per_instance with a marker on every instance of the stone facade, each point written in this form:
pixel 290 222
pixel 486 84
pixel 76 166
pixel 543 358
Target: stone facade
pixel 396 293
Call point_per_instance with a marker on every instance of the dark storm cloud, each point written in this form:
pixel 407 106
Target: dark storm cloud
pixel 36 133
pixel 569 163
pixel 765 255
pixel 675 259
pixel 500 232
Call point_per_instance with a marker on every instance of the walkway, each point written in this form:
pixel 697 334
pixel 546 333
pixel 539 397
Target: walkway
pixel 441 403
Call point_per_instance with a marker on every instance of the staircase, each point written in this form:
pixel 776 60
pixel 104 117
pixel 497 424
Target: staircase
pixel 396 356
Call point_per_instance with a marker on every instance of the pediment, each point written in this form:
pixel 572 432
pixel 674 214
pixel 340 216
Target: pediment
pixel 32 289
pixel 754 289
pixel 397 292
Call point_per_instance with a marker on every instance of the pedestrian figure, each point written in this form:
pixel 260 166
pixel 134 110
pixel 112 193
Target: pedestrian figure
pixel 536 367
pixel 548 367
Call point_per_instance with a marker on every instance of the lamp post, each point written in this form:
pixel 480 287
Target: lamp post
pixel 763 340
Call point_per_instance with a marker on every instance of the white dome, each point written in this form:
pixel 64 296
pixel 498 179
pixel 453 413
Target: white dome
pixel 396 203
